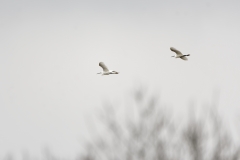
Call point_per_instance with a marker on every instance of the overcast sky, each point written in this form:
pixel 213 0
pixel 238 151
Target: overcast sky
pixel 50 50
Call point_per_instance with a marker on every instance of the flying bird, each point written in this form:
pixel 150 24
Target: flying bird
pixel 106 71
pixel 179 54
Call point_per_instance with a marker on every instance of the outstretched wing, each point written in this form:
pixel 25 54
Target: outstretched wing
pixel 176 51
pixel 104 67
pixel 184 58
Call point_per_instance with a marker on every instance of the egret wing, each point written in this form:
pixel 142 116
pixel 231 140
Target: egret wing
pixel 176 51
pixel 104 67
pixel 184 58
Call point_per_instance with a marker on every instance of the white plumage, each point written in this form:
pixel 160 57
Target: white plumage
pixel 179 54
pixel 106 71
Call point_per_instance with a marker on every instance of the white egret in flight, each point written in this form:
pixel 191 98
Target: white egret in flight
pixel 179 54
pixel 105 70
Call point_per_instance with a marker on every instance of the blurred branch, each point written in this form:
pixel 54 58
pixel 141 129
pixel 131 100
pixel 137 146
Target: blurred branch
pixel 148 134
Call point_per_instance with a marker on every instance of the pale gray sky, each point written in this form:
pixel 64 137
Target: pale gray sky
pixel 50 52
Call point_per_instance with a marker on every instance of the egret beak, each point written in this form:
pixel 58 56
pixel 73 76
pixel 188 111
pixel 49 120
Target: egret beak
pixel 114 72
